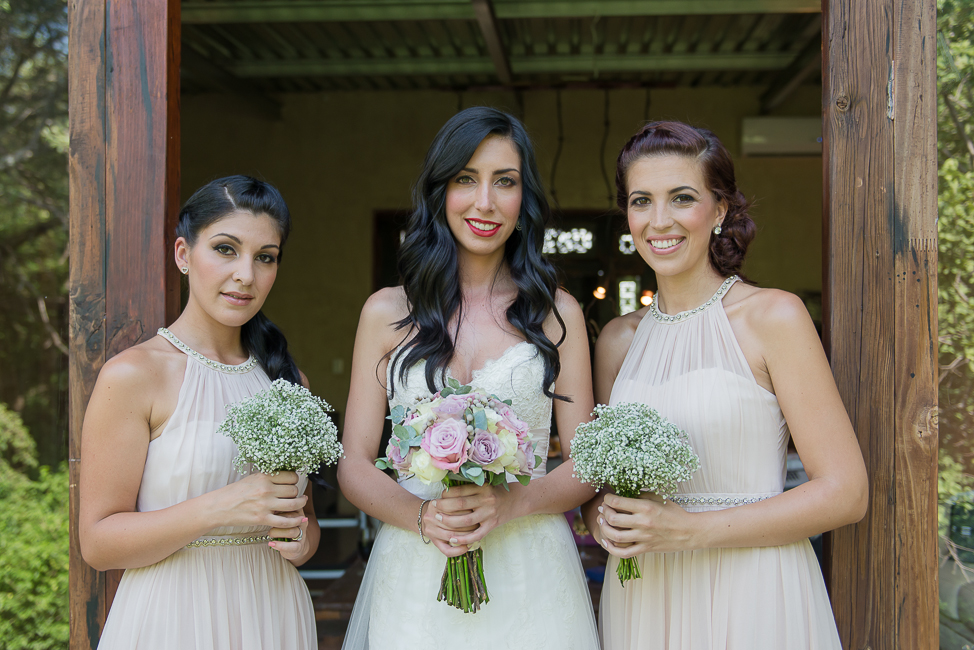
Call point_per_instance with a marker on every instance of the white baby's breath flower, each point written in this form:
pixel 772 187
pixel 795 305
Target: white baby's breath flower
pixel 631 447
pixel 282 428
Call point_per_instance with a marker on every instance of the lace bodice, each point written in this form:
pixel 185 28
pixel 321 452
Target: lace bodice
pixel 517 375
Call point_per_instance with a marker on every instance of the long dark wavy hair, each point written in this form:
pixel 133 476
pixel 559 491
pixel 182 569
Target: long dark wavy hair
pixel 428 264
pixel 218 199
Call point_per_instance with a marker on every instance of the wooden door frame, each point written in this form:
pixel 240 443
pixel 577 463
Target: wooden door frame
pixel 879 107
pixel 124 196
pixel 879 285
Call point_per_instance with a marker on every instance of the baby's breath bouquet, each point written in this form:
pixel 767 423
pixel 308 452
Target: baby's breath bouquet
pixel 632 448
pixel 282 428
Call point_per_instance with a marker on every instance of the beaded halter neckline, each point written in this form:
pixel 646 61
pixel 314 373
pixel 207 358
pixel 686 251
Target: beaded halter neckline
pixel 246 366
pixel 683 315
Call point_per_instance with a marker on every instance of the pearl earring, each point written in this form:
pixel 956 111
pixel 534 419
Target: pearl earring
pixel 185 270
pixel 717 230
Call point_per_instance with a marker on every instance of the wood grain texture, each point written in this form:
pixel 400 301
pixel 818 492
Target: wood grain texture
pixel 86 163
pixel 124 181
pixel 915 294
pixel 880 316
pixel 858 202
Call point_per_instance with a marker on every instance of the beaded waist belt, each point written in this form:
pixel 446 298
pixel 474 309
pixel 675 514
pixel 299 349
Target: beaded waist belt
pixel 229 540
pixel 723 499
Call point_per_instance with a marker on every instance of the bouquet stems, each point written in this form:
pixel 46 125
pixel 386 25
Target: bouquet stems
pixel 463 585
pixel 628 567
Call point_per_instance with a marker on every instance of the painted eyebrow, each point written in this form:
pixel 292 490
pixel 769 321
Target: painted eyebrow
pixel 498 171
pixel 673 191
pixel 229 236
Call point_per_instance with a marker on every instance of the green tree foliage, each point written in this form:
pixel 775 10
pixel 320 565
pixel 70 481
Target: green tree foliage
pixel 33 546
pixel 34 217
pixel 955 116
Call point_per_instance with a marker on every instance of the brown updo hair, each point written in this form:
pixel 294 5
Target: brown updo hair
pixel 727 250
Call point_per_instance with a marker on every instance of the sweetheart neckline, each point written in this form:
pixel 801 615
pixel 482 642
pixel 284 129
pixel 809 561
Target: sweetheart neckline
pixel 483 368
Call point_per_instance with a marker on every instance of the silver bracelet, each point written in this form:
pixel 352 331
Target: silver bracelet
pixel 419 521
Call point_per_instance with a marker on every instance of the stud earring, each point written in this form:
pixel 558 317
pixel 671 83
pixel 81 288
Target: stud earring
pixel 717 229
pixel 518 224
pixel 185 270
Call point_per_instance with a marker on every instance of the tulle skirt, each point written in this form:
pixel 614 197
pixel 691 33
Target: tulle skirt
pixel 538 594
pixel 720 599
pixel 212 598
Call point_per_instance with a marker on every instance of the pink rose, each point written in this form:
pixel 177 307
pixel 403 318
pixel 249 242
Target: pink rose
pixel 510 421
pixel 451 406
pixel 485 448
pixel 525 447
pixel 446 443
pixel 394 454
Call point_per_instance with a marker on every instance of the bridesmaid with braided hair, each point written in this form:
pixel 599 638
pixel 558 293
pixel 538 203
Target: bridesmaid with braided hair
pixel 726 564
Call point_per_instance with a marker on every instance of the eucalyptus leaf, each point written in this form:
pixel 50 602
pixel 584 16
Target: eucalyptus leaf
pixel 446 392
pixel 480 419
pixel 507 401
pixel 474 471
pixel 537 460
pixel 452 383
pixel 403 433
pixel 522 479
pixel 398 414
pixel 463 390
pixel 382 464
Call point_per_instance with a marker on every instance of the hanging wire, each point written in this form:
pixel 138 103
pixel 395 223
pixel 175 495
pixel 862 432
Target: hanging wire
pixel 605 142
pixel 561 141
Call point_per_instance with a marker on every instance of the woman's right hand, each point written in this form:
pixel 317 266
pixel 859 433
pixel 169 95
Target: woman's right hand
pixel 439 534
pixel 261 500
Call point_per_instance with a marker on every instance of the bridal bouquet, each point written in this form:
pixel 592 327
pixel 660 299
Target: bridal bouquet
pixel 282 428
pixel 632 448
pixel 461 435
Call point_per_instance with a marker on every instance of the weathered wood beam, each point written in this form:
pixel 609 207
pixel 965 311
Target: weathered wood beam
pixel 124 183
pixel 880 299
pixel 209 74
pixel 268 11
pixel 519 64
pixel 484 11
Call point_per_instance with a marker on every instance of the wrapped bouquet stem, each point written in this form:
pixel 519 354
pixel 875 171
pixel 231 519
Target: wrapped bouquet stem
pixel 631 448
pixel 283 428
pixel 461 435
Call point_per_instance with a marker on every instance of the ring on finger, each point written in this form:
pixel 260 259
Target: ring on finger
pixel 299 537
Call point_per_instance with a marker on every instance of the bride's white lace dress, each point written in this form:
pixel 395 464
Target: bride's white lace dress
pixel 538 595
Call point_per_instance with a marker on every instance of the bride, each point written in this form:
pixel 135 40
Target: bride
pixel 480 304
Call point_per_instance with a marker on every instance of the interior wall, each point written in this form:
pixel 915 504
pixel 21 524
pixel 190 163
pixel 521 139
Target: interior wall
pixel 339 157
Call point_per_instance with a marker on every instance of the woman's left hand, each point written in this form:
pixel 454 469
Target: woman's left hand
pixel 631 527
pixel 485 507
pixel 297 544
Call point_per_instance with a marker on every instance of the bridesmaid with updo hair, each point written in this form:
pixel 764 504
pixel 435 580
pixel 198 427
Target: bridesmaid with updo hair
pixel 726 563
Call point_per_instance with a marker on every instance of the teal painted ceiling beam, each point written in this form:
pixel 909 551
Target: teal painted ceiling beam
pixel 519 65
pixel 276 11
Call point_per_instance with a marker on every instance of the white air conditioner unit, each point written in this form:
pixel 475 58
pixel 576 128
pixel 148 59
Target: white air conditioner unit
pixel 781 136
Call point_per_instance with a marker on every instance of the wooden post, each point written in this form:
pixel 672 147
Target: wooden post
pixel 880 285
pixel 124 183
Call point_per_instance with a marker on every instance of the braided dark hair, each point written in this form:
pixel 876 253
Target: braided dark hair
pixel 216 200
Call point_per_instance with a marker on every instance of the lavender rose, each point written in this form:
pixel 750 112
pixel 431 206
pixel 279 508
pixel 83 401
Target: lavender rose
pixel 485 447
pixel 446 443
pixel 451 406
pixel 395 455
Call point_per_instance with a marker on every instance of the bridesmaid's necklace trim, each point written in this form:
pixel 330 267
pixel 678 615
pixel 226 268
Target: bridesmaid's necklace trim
pixel 246 366
pixel 683 315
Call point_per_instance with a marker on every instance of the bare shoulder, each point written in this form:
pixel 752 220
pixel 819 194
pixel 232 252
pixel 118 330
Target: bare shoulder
pixel 381 312
pixel 143 365
pixel 386 306
pixel 771 313
pixel 619 331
